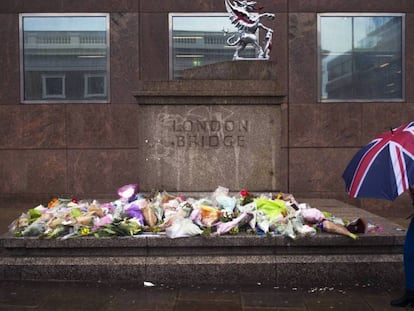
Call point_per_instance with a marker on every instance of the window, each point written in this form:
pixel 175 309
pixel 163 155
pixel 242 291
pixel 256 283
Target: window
pixel 200 39
pixel 361 57
pixel 95 85
pixel 64 58
pixel 53 86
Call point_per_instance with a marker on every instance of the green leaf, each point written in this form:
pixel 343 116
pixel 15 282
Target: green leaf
pixel 206 232
pixel 34 214
pixel 75 212
pixel 234 230
pixel 59 231
pixel 327 214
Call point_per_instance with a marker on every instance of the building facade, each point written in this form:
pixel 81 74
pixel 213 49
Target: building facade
pixel 70 123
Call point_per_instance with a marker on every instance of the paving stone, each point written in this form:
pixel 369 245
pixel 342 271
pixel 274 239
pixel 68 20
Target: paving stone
pixel 132 296
pixel 379 302
pixel 272 299
pixel 14 295
pixel 183 305
pixel 210 293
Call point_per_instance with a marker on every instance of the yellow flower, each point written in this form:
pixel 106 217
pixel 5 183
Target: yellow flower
pixel 85 231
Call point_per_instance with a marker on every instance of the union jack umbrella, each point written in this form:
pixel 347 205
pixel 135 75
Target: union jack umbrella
pixel 384 168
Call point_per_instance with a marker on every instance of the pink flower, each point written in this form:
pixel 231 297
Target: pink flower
pixel 106 220
pixel 128 191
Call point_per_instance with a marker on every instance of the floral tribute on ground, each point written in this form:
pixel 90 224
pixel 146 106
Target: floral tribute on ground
pixel 139 214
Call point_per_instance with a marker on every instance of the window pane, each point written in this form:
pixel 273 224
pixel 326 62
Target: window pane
pixel 95 85
pixel 201 40
pixel 63 46
pixel 53 86
pixel 333 27
pixel 361 57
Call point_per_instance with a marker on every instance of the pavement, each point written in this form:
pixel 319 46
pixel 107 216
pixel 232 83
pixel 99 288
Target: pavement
pixel 55 296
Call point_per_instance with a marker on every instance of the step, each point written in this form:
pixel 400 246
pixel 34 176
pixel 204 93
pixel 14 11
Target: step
pixel 323 260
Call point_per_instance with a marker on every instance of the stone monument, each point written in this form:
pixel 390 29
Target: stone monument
pixel 219 125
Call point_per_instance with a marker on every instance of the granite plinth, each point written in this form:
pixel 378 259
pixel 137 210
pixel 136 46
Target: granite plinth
pixel 321 260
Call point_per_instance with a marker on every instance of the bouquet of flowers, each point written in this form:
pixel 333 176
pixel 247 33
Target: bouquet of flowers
pixel 135 213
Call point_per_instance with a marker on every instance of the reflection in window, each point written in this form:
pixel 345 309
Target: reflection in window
pixel 59 51
pixel 53 86
pixel 95 85
pixel 360 57
pixel 200 39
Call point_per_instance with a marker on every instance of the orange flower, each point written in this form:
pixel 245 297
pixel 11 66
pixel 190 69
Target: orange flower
pixel 53 203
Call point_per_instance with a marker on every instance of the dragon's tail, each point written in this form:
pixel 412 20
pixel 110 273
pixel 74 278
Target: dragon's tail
pixel 233 40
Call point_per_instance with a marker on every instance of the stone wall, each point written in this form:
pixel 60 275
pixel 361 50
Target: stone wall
pixel 88 150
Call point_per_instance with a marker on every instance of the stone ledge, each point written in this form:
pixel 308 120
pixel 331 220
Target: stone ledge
pixel 210 92
pixel 231 245
pixel 303 271
pixel 322 260
pixel 230 70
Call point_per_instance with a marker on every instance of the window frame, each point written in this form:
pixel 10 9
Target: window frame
pixel 56 100
pixel 86 77
pixel 46 76
pixel 319 63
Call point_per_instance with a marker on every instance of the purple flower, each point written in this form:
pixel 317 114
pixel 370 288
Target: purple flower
pixel 134 211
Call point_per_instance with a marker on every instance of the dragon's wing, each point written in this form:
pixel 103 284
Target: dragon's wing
pixel 239 17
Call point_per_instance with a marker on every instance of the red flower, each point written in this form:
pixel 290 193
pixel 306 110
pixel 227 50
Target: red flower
pixel 244 193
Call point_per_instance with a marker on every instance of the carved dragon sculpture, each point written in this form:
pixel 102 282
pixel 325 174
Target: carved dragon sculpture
pixel 248 23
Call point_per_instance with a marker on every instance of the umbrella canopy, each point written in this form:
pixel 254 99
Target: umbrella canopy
pixel 384 168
